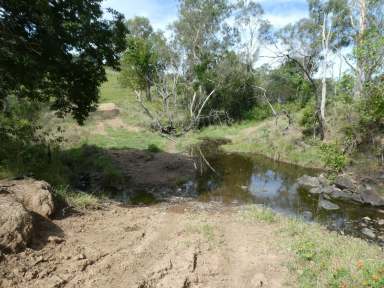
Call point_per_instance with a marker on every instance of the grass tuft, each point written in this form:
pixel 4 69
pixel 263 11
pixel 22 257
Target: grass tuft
pixel 259 214
pixel 79 200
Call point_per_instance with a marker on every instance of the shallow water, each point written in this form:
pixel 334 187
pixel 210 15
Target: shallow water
pixel 234 178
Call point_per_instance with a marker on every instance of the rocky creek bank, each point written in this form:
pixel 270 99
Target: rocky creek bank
pixel 347 189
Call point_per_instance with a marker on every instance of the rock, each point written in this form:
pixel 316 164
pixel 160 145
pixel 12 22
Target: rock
pixel 363 224
pixel 371 197
pixel 316 190
pixel 15 225
pixel 369 233
pixel 367 219
pixel 308 182
pixel 343 195
pixel 307 215
pixel 34 195
pixel 327 205
pixel 55 239
pixel 324 180
pixel 107 110
pixel 380 222
pixel 345 182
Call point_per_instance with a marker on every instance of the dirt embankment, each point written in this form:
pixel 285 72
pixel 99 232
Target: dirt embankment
pixel 167 245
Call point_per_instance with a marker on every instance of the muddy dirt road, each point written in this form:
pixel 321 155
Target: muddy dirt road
pixel 167 245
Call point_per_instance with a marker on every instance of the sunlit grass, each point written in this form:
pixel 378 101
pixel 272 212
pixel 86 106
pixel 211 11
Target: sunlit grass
pixel 321 258
pixel 78 200
pixel 120 138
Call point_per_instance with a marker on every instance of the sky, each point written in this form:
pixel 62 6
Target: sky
pixel 163 12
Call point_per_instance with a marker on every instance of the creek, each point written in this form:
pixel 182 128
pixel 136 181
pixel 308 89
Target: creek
pixel 237 179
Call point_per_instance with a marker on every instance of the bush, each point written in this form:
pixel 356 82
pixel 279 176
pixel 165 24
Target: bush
pixel 372 107
pixel 153 148
pixel 334 160
pixel 308 119
pixel 259 113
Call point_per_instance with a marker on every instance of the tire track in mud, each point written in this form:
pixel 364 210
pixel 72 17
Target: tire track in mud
pixel 153 247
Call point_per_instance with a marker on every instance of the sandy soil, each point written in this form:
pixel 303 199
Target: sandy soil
pixel 167 245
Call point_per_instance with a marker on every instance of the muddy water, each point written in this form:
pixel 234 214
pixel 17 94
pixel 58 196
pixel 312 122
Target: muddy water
pixel 240 179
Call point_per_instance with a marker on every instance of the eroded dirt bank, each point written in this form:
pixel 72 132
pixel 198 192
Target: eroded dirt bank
pixel 167 245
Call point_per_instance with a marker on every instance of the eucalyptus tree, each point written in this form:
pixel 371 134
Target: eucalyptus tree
pixel 361 26
pixel 330 18
pixel 251 24
pixel 203 31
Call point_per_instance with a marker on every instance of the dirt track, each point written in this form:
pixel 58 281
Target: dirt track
pixel 168 245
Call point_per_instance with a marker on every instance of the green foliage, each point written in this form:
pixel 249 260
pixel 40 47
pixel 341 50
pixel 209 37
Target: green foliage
pixel 344 89
pixel 259 113
pixel 259 214
pixel 372 108
pixel 235 91
pixel 63 195
pixel 145 58
pixel 306 249
pixel 153 148
pixel 325 259
pixel 334 160
pixel 288 84
pixel 57 52
pixel 308 118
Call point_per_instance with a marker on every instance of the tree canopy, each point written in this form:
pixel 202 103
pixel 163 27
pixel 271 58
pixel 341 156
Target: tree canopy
pixel 56 52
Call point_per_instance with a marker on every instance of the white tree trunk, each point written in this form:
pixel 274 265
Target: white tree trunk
pixel 360 69
pixel 326 34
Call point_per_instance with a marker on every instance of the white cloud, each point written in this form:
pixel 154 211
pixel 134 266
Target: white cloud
pixel 279 20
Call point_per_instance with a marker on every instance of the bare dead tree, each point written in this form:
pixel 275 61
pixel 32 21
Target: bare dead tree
pixel 275 114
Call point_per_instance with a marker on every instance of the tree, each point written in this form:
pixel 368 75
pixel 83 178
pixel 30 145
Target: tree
pixel 145 57
pixel 202 33
pixel 56 51
pixel 361 26
pixel 248 16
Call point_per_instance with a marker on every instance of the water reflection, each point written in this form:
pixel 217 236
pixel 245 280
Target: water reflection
pixel 237 178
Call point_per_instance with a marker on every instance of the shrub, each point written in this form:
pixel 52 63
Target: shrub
pixel 153 148
pixel 372 107
pixel 308 119
pixel 259 113
pixel 334 160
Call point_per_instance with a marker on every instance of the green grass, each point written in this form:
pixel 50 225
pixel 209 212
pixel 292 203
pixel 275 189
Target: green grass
pixel 78 200
pixel 249 136
pixel 120 139
pixel 321 258
pixel 325 259
pixel 258 213
pixel 266 138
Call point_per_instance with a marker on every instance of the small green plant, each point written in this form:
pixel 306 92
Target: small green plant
pixel 153 148
pixel 259 213
pixel 208 231
pixel 306 249
pixel 333 158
